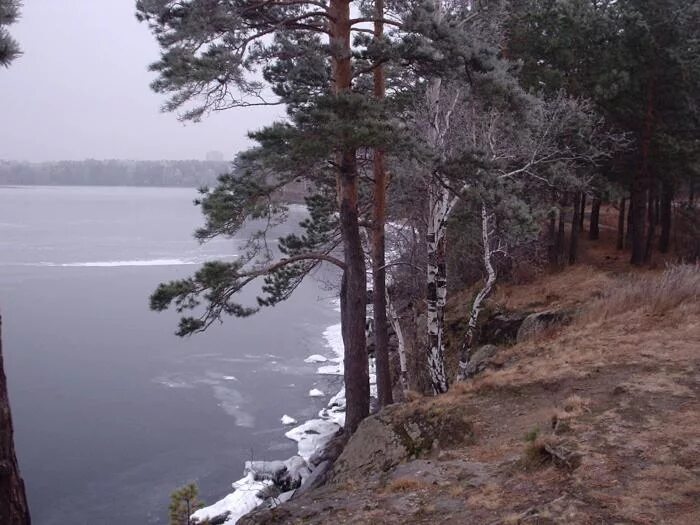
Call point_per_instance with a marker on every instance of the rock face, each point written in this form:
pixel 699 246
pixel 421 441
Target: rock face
pixel 398 433
pixel 286 475
pixel 502 328
pixel 480 359
pixel 536 322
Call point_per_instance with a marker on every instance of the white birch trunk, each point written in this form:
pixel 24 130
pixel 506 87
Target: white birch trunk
pixel 396 325
pixel 468 343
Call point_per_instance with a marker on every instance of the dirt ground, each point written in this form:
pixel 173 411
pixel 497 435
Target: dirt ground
pixel 596 422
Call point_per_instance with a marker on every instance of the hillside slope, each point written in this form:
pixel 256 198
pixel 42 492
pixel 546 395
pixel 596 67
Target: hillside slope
pixel 596 421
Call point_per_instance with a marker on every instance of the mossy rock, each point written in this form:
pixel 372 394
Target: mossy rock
pixel 400 433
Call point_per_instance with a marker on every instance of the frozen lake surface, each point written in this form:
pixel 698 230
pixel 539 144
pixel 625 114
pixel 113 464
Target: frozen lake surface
pixel 111 410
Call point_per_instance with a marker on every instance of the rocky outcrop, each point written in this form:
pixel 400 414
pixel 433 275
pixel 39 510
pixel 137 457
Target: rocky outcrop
pixel 502 328
pixel 399 433
pixel 479 360
pixel 540 321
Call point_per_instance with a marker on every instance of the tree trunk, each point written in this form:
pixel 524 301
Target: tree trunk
pixel 561 232
pixel 575 223
pixel 641 185
pixel 582 214
pixel 552 254
pixel 691 192
pixel 381 325
pixel 657 209
pixel 484 293
pixel 621 225
pixel 438 212
pixel 651 222
pixel 437 291
pixel 666 215
pixel 594 230
pixel 13 501
pixel 638 209
pixel 353 303
pixel 630 218
pixel 401 342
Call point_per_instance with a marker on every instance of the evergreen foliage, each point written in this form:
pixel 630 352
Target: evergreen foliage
pixel 183 503
pixel 9 48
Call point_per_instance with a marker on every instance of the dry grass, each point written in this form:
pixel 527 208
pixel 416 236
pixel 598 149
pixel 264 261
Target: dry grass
pixel 404 485
pixel 569 288
pixel 678 286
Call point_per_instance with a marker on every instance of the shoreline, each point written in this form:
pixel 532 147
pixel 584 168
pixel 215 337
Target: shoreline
pixel 273 482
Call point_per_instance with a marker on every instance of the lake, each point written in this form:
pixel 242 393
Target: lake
pixel 112 411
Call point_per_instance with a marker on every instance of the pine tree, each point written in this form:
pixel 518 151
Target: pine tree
pixel 13 500
pixel 638 61
pixel 9 49
pixel 209 49
pixel 183 503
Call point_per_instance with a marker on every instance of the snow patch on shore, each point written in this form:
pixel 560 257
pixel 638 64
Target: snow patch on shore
pixel 245 498
pixel 312 435
pixel 316 358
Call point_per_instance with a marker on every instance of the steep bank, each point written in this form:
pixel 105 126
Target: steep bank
pixel 595 420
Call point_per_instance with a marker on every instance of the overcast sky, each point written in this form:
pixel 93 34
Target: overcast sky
pixel 81 91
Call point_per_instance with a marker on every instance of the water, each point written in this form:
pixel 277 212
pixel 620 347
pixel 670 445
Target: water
pixel 111 410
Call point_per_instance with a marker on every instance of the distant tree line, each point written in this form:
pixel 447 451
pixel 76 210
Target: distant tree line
pixel 184 173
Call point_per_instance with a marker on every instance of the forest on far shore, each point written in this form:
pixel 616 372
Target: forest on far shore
pixel 183 173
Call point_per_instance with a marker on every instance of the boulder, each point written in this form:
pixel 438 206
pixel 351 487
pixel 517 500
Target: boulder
pixel 285 475
pixel 502 328
pixel 399 433
pixel 318 478
pixel 480 359
pixel 536 322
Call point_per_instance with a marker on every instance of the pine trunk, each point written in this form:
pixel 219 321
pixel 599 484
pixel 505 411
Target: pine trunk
pixel 594 230
pixel 561 231
pixel 638 210
pixel 621 225
pixel 630 218
pixel 552 253
pixel 575 223
pixel 381 325
pixel 651 223
pixel 641 186
pixel 666 216
pixel 582 214
pixel 13 501
pixel 353 303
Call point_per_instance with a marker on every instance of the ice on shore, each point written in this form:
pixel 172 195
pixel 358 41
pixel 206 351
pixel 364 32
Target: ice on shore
pixel 316 358
pixel 313 435
pixel 288 420
pixel 245 498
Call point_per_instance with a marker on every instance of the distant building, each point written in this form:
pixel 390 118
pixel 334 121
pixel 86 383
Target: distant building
pixel 215 156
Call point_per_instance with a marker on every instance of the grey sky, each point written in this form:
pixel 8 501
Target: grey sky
pixel 81 91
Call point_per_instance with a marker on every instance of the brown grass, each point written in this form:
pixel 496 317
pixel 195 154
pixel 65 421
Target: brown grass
pixel 569 288
pixel 404 485
pixel 678 286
